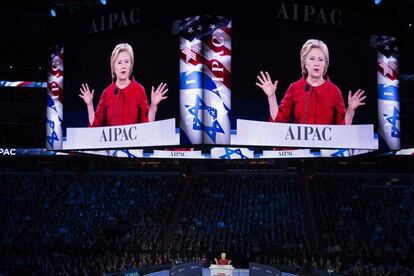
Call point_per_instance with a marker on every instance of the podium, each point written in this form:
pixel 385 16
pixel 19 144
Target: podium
pixel 304 135
pixel 221 270
pixel 158 133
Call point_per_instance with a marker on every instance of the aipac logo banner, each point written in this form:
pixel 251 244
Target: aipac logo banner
pixel 388 91
pixel 7 151
pixel 296 153
pixel 205 70
pixel 54 109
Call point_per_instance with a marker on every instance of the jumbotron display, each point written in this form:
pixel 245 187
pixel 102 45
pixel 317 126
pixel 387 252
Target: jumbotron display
pixel 225 83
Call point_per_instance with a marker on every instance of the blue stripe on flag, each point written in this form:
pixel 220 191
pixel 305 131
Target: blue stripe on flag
pixel 388 92
pixel 193 80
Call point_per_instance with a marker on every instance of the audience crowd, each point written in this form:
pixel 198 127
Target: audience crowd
pixel 97 223
pixel 363 217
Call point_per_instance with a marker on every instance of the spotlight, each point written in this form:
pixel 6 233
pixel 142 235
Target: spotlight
pixel 103 2
pixel 377 2
pixel 52 12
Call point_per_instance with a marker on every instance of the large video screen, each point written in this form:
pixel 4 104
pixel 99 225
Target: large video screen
pixel 304 76
pixel 121 80
pixel 298 77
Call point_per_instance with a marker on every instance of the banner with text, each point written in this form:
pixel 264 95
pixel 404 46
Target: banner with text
pixel 307 136
pixel 159 133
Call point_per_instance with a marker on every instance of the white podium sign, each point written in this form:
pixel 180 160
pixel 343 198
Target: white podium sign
pixel 159 133
pixel 259 133
pixel 221 270
pixel 299 153
pixel 196 154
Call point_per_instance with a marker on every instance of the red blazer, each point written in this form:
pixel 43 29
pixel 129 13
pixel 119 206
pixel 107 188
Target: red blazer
pixel 325 104
pixel 129 106
pixel 223 262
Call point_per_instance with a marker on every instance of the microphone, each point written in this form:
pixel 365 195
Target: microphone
pixel 307 87
pixel 116 104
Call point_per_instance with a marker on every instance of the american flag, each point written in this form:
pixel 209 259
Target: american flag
pixel 387 56
pixel 388 91
pixel 205 71
pixel 54 109
pixel 32 84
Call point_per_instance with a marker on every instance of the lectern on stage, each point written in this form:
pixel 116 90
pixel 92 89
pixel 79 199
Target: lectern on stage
pixel 221 270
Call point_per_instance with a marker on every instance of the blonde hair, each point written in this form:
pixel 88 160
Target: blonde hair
pixel 122 47
pixel 307 47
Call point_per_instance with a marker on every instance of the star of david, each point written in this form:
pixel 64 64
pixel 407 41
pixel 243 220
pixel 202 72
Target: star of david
pixel 393 119
pixel 127 152
pixel 339 153
pixel 51 124
pixel 230 152
pixel 50 139
pixel 198 124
